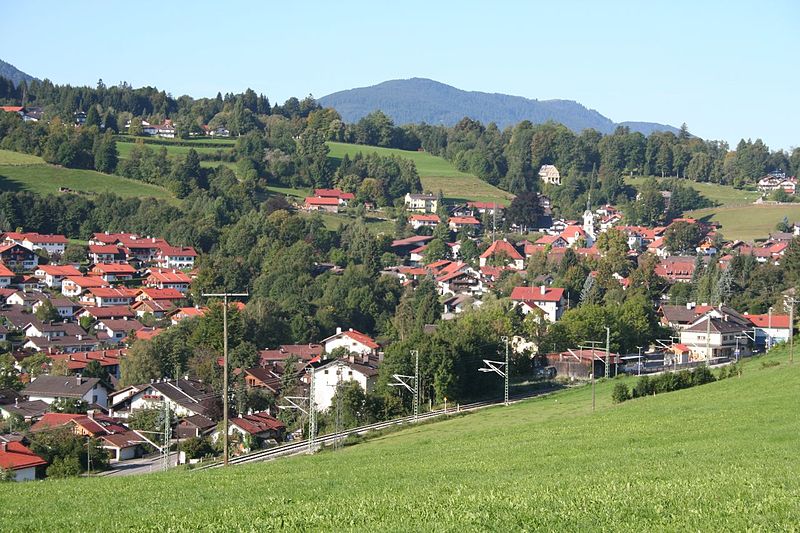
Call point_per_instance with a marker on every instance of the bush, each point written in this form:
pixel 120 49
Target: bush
pixel 702 375
pixel 196 448
pixel 642 387
pixel 620 393
pixel 769 364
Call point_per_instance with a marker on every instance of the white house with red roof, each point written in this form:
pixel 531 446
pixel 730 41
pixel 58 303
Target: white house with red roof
pixel 181 257
pixel 106 253
pixel 423 221
pixel 112 272
pixel 573 234
pixel 258 426
pixel 312 203
pixel 52 244
pixel 17 257
pixel 73 286
pixel 53 275
pixel 502 253
pixel 108 296
pixel 163 296
pixel 19 459
pixel 164 278
pixel 353 341
pixel 485 207
pixel 549 300
pixel 457 223
pixel 6 276
pixel 341 196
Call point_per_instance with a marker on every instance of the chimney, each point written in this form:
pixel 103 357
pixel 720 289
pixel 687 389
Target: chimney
pixel 542 289
pixel 3 446
pixel 338 331
pixel 78 378
pixel 90 413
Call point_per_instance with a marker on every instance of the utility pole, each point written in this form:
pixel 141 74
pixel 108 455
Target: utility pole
pixel 708 339
pixel 640 360
pixel 608 348
pixel 415 353
pixel 504 338
pixel 791 302
pixel 311 412
pixel 168 436
pixel 338 417
pixel 225 296
pixel 769 329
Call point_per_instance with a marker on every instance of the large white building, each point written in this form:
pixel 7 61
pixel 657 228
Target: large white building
pixel 362 370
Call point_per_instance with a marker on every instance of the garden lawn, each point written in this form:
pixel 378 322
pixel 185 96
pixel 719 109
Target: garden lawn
pixel 717 457
pixel 435 173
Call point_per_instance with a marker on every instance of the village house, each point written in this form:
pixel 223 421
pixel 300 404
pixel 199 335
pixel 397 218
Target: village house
pixel 303 352
pixel 330 205
pixel 547 300
pixel 676 268
pixel 253 431
pixel 62 344
pixel 490 208
pixel 28 410
pixel 18 258
pixel 716 335
pixel 74 286
pixel 181 257
pixel 501 253
pixel 20 460
pixel 77 362
pixel 421 203
pixel 423 221
pixel 6 276
pixel 165 297
pixel 106 253
pixel 118 440
pixel 53 275
pixel 351 340
pixel 51 329
pixel 260 377
pixel 168 279
pixel 50 388
pixel 459 223
pixel 175 314
pixel 100 313
pixel 194 426
pixel 403 247
pixel 550 174
pixel 582 363
pixel 108 296
pixel 117 330
pixel 52 244
pixel 361 369
pixel 186 397
pixel 113 272
pixel 343 197
pixel 66 308
pixel 775 181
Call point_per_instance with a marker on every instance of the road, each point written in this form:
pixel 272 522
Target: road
pixel 144 465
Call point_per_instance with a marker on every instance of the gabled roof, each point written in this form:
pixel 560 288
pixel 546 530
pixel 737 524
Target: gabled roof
pixel 175 251
pixel 411 241
pixel 59 270
pixel 38 238
pixel 168 276
pixel 16 456
pixel 537 294
pixel 258 423
pixel 357 336
pixel 501 246
pixel 109 292
pixel 113 311
pixel 86 282
pixel 5 272
pixel 161 294
pixel 106 249
pixel 765 321
pixel 61 386
pixel 114 268
pixel 334 193
pixel 424 218
pixel 465 220
pixel 312 200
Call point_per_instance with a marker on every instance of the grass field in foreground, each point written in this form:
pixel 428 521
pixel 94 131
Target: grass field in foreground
pixel 722 194
pixel 436 173
pixel 748 222
pixel 46 179
pixel 718 457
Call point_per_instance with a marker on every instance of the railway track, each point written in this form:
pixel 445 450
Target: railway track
pixel 302 446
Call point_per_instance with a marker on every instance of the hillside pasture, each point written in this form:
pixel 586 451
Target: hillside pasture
pixel 724 195
pixel 7 157
pixel 715 457
pixel 48 179
pixel 436 174
pixel 749 222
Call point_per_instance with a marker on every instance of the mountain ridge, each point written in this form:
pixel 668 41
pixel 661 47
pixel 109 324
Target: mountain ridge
pixel 415 100
pixel 10 72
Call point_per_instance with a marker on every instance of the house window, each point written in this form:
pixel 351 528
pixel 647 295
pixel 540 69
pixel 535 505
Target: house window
pixel 350 373
pixel 325 371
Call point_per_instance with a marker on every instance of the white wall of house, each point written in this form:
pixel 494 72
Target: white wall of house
pixel 352 345
pixel 326 379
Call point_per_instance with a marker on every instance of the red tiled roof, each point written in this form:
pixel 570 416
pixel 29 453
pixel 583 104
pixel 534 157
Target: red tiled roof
pixel 86 282
pixel 334 193
pixel 105 249
pixel 501 246
pixel 108 292
pixel 310 200
pixel 59 270
pixel 38 238
pixel 484 205
pixel 357 336
pixel 537 294
pixel 168 276
pixel 5 272
pixel 161 294
pixel 258 423
pixel 763 321
pixel 465 220
pixel 424 218
pixel 80 360
pixel 12 108
pixel 17 456
pixel 173 251
pixel 114 268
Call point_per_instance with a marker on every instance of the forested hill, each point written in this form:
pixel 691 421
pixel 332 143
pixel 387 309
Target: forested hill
pixel 422 100
pixel 10 72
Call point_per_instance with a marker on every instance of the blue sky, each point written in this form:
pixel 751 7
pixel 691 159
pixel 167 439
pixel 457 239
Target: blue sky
pixel 727 69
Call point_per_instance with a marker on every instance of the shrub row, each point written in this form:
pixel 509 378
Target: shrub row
pixel 671 381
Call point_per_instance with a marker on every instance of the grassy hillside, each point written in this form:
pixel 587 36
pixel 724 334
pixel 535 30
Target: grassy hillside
pixel 436 173
pixel 748 222
pixel 721 456
pixel 31 173
pixel 173 150
pixel 722 194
